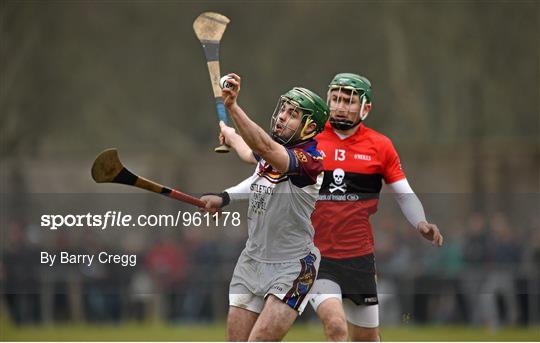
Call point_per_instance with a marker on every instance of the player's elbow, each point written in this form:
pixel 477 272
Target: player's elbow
pixel 247 156
pixel 263 149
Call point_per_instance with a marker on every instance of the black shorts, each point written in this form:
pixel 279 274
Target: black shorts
pixel 356 276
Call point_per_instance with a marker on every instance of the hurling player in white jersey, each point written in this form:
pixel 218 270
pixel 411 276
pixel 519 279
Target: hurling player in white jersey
pixel 278 266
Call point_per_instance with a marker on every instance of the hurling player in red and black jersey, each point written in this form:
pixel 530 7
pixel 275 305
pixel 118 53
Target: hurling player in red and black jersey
pixel 356 161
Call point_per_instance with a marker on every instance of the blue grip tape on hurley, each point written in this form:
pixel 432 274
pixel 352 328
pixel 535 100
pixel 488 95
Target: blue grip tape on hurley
pixel 222 113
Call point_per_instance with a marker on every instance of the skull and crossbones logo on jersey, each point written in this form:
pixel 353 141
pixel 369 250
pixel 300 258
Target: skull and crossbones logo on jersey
pixel 338 184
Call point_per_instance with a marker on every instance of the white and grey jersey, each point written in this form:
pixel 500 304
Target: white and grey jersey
pixel 280 205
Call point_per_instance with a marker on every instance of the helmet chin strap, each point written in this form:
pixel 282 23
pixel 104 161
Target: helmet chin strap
pixel 303 135
pixel 362 115
pixel 344 125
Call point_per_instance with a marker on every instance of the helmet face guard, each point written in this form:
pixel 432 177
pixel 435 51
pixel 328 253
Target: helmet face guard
pixel 281 130
pixel 351 85
pixel 359 115
pixel 298 104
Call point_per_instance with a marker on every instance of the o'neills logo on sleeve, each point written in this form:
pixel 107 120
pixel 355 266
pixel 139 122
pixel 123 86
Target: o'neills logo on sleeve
pixel 300 156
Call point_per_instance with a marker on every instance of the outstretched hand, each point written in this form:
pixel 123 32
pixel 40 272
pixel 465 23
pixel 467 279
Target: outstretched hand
pixel 431 233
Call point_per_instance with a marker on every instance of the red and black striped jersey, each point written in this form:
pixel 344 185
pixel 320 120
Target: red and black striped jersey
pixel 354 169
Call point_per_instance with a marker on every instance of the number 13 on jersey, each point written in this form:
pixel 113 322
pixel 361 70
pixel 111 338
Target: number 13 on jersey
pixel 339 155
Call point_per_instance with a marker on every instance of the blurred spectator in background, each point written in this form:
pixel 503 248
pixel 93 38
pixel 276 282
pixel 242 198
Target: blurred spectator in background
pixel 103 284
pixel 202 287
pixel 447 302
pixel 474 255
pixel 532 249
pixel 504 255
pixel 531 269
pixel 166 264
pixel 22 279
pixel 475 247
pixel 393 257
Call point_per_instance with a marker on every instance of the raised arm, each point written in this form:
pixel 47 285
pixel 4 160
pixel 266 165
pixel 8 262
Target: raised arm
pixel 253 135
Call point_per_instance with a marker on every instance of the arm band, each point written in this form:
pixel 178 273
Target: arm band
pixel 225 198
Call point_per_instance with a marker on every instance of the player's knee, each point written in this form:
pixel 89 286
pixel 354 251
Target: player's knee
pixel 235 334
pixel 264 333
pixel 365 335
pixel 336 329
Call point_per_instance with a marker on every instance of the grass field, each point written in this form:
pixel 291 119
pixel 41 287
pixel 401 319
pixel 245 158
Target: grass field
pixel 216 332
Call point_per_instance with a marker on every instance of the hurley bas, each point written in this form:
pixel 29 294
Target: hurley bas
pixel 103 257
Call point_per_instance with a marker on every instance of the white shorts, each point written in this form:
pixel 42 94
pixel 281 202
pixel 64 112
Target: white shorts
pixel 291 282
pixel 366 316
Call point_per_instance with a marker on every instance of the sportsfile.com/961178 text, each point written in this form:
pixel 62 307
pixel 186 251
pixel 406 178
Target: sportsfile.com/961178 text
pixel 117 219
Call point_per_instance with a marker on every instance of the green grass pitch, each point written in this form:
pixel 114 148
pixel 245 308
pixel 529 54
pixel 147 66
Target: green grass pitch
pixel 216 332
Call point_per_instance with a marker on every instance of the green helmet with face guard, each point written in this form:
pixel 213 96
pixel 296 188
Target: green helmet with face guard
pixel 314 110
pixel 353 84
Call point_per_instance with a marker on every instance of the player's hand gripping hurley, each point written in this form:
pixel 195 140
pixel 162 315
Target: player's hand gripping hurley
pixel 209 28
pixel 108 168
